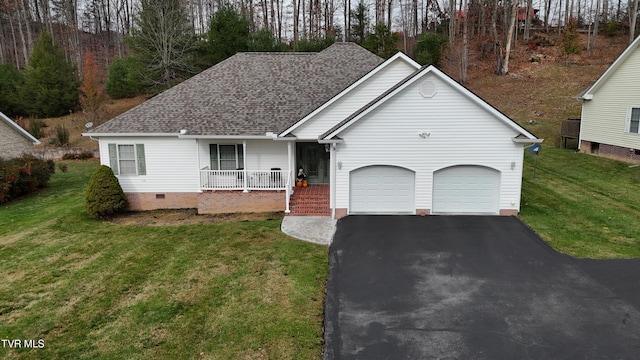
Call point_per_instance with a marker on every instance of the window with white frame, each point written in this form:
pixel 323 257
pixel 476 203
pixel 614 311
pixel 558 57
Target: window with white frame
pixel 634 120
pixel 127 159
pixel 226 157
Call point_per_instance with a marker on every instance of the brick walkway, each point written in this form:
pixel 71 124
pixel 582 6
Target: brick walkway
pixel 312 200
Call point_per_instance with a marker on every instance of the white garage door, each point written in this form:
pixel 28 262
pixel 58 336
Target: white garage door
pixel 466 190
pixel 381 190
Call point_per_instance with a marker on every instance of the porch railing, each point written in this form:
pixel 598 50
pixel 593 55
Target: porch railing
pixel 244 179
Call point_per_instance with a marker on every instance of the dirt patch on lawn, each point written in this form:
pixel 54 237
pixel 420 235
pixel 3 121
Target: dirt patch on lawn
pixel 187 217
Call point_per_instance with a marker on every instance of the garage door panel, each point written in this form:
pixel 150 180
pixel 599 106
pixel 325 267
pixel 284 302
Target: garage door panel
pixel 466 189
pixel 382 189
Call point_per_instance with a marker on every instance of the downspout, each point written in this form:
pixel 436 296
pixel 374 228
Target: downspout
pixel 244 165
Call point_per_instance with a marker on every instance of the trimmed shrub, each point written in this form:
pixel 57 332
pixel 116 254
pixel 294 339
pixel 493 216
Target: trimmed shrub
pixel 23 176
pixel 104 194
pixel 78 156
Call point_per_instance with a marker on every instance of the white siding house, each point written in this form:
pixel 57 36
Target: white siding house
pixel 611 110
pixel 353 98
pixel 384 137
pixel 429 125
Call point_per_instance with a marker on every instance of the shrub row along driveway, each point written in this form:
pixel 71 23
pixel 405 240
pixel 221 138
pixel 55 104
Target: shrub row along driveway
pixel 465 287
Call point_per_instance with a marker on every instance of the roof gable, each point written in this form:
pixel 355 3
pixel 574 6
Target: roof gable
pixel 588 93
pixel 358 115
pixel 248 94
pixel 19 129
pixel 397 57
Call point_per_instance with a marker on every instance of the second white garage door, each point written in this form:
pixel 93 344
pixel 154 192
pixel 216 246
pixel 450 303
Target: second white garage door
pixel 381 190
pixel 466 190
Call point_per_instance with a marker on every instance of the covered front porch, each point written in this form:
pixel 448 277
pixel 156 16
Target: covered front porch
pixel 246 165
pixel 245 180
pixel 261 165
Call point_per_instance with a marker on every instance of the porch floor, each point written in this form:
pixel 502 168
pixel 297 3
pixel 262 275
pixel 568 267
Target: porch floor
pixel 312 200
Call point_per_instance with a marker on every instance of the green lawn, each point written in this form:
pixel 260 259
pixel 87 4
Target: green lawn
pixel 93 289
pixel 583 205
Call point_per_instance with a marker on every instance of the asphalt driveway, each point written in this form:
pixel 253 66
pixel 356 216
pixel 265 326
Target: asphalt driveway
pixel 472 287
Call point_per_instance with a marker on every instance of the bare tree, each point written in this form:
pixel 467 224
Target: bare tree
pixel 507 51
pixel 464 62
pixel 632 20
pixel 527 21
pixel 547 11
pixel 452 21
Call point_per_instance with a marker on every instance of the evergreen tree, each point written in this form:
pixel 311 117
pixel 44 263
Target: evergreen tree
pixel 315 44
pixel 51 85
pixel 228 34
pixel 429 48
pixel 359 23
pixel 104 194
pixel 570 43
pixel 124 78
pixel 163 43
pixel 11 79
pixel 263 40
pixel 382 42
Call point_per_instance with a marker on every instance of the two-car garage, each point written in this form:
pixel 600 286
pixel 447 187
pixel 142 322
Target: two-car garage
pixel 385 189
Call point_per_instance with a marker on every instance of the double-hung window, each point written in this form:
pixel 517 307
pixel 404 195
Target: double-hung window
pixel 634 120
pixel 226 157
pixel 127 159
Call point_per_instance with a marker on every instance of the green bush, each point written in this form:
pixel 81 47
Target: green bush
pixel 23 176
pixel 104 194
pixel 36 128
pixel 78 156
pixel 612 28
pixel 62 135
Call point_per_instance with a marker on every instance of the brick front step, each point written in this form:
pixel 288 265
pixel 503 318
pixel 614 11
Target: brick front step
pixel 310 201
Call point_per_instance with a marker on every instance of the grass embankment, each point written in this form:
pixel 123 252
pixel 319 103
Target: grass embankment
pixel 98 290
pixel 583 205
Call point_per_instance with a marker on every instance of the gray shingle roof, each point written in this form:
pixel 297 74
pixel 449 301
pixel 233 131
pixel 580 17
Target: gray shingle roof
pixel 249 93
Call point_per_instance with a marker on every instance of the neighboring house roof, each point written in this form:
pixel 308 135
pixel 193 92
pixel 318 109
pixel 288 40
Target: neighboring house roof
pixel 588 93
pixel 248 94
pixel 19 129
pixel 338 128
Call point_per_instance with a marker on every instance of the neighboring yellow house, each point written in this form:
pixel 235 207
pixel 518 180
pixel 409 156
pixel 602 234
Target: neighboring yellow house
pixel 14 140
pixel 610 124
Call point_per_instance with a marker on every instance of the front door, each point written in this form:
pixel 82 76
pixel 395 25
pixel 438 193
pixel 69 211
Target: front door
pixel 314 159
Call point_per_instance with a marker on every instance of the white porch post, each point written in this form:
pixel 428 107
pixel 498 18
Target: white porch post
pixel 332 180
pixel 289 177
pixel 244 165
pixel 198 171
